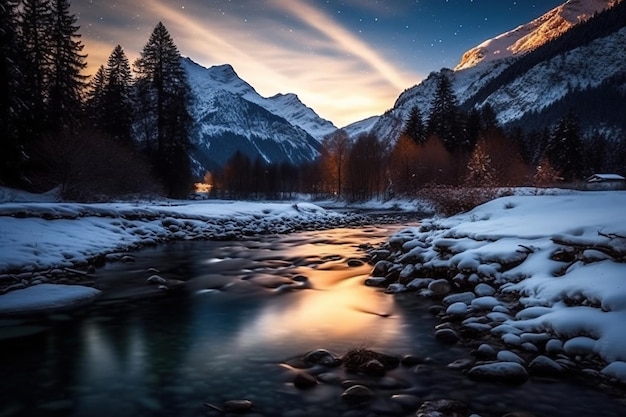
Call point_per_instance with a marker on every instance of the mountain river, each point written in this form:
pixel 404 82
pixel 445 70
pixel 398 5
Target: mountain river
pixel 235 331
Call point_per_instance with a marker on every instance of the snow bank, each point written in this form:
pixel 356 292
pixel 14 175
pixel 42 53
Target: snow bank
pixel 562 255
pixel 38 236
pixel 45 298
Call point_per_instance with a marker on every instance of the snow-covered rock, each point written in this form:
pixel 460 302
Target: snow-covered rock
pixel 46 298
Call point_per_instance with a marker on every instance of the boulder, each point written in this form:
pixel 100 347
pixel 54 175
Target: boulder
pixel 507 372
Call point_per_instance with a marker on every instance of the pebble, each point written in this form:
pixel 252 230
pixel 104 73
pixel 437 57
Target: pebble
pixel 509 372
pixel 457 309
pixel 357 394
pixel 447 336
pixel 554 346
pixel 484 290
pixel 508 356
pixel 440 287
pixel 463 297
pixel 544 366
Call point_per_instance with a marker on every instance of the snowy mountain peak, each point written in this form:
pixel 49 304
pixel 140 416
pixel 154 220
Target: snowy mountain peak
pixel 531 35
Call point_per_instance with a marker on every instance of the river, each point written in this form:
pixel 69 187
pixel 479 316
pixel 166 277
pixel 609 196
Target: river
pixel 234 331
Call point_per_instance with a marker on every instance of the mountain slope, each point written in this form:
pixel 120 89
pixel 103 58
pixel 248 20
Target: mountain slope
pixel 532 35
pixel 588 55
pixel 231 116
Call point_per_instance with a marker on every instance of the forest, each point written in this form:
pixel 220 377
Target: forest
pixel 126 131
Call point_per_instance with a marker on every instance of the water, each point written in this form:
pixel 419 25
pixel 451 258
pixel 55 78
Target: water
pixel 231 334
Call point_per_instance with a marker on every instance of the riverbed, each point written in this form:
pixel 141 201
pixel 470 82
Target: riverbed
pixel 231 322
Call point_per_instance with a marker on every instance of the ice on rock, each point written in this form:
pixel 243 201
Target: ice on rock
pixel 457 309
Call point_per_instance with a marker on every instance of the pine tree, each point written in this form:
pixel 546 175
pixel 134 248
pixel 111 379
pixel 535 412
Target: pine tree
pixel 480 172
pixel 445 119
pixel 117 104
pixel 414 126
pixel 36 36
pixel 164 91
pixel 95 99
pixel 565 148
pixel 66 79
pixel 11 154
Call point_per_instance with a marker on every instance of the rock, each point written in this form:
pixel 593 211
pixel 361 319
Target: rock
pixel 458 309
pixel 510 339
pixel 419 283
pixel 484 303
pixel 376 281
pixel 406 401
pixel 322 357
pixel 580 345
pixel 508 372
pixel 442 408
pixel 508 356
pixel 484 290
pixel 157 280
pixel 395 288
pixel 127 259
pixel 411 360
pixel 461 364
pixel 440 287
pixel 238 406
pixel 544 366
pixel 357 394
pixel 485 351
pixel 353 262
pixel 436 310
pixel 329 378
pixel 304 380
pixel 381 268
pixel 447 336
pixel 373 367
pixel 463 297
pixel 554 346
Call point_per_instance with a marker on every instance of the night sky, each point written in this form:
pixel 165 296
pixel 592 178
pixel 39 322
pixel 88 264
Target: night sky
pixel 346 59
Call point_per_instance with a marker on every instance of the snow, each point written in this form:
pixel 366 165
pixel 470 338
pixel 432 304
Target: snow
pixel 45 297
pixel 513 244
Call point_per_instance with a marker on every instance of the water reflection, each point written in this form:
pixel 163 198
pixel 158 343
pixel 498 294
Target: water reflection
pixel 166 355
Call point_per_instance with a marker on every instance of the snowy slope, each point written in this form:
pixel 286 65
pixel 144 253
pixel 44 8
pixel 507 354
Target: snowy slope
pixel 531 35
pixel 288 106
pixel 231 116
pixel 548 81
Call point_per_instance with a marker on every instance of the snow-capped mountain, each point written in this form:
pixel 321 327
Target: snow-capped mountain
pixel 532 35
pixel 532 69
pixel 231 116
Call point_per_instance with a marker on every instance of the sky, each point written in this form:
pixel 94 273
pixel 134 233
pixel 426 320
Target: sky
pixel 348 60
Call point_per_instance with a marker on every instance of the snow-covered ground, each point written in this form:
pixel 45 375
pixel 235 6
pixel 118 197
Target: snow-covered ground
pixel 40 238
pixel 562 256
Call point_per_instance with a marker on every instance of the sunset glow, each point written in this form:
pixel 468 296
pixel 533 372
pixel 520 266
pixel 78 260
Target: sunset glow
pixel 347 60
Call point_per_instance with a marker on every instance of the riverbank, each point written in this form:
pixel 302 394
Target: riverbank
pixel 535 284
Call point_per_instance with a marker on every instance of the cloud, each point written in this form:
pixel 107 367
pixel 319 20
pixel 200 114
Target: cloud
pixel 303 52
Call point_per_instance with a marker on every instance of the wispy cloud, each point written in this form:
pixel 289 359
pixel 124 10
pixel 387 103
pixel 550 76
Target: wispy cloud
pixel 279 47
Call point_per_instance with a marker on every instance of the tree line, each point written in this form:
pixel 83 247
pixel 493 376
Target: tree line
pixel 121 132
pixel 446 148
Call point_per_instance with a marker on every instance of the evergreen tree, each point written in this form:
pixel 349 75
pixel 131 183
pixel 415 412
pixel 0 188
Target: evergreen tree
pixel 66 79
pixel 95 99
pixel 117 100
pixel 445 119
pixel 565 149
pixel 164 91
pixel 36 36
pixel 11 154
pixel 414 126
pixel 480 172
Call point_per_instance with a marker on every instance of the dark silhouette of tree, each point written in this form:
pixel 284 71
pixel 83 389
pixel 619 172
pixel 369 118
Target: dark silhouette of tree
pixel 335 151
pixel 66 82
pixel 403 165
pixel 365 168
pixel 414 126
pixel 11 105
pixel 565 151
pixel 117 99
pixel 445 119
pixel 94 102
pixel 36 36
pixel 164 91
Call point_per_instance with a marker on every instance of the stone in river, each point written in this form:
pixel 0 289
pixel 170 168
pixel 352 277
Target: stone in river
pixel 484 290
pixel 440 287
pixel 304 380
pixel 447 336
pixel 238 406
pixel 442 408
pixel 544 366
pixel 458 309
pixel 353 262
pixel 157 279
pixel 322 357
pixel 485 351
pixel 508 372
pixel 357 394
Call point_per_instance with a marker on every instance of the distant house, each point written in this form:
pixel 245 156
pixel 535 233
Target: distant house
pixel 606 182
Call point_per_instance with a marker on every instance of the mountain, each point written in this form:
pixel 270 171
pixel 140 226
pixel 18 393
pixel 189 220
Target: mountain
pixel 537 72
pixel 231 116
pixel 532 35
